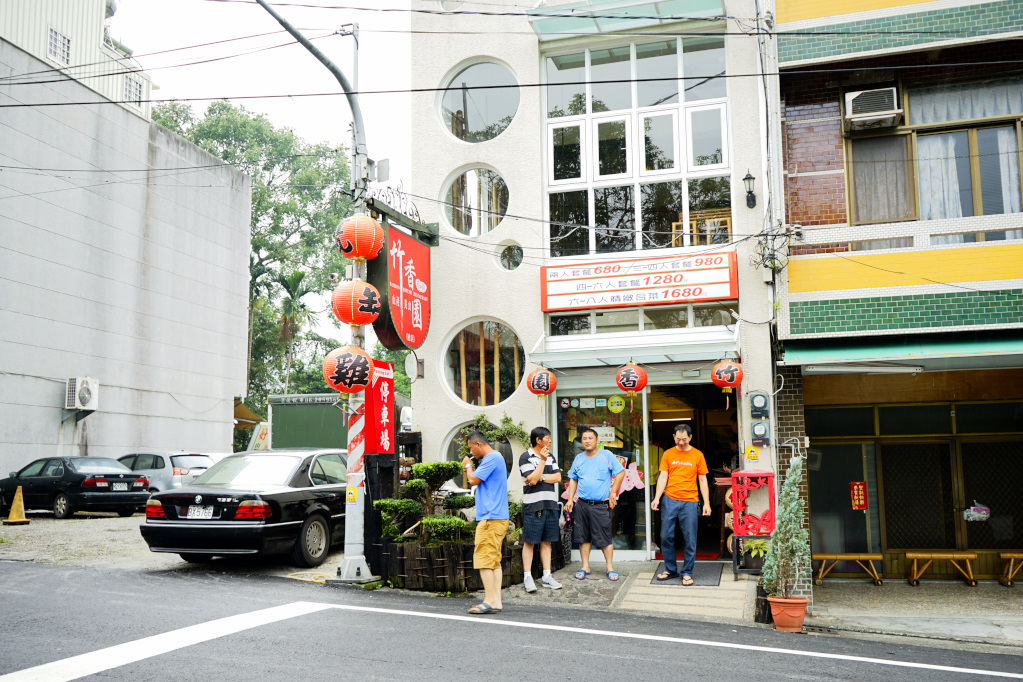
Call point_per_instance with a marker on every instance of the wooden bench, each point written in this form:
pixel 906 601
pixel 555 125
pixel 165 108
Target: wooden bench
pixel 1013 562
pixel 952 557
pixel 859 558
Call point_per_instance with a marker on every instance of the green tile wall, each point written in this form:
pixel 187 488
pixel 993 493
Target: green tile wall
pixel 960 309
pixel 958 22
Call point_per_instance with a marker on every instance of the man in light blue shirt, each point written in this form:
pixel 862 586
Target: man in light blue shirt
pixel 596 475
pixel 491 480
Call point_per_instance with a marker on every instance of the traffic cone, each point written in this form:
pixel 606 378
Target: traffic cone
pixel 17 515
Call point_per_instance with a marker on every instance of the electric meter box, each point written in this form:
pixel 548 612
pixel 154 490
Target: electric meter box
pixel 759 405
pixel 761 433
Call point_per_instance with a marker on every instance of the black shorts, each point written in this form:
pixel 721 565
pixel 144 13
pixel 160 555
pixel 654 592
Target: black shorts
pixel 592 523
pixel 540 526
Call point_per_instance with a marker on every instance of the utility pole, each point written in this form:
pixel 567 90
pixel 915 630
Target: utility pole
pixel 353 568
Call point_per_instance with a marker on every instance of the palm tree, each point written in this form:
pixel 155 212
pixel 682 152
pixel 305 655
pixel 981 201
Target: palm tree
pixel 259 280
pixel 294 314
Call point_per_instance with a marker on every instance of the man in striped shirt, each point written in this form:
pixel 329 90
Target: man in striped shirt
pixel 540 476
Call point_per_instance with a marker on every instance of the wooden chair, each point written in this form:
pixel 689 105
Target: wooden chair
pixel 859 558
pixel 952 557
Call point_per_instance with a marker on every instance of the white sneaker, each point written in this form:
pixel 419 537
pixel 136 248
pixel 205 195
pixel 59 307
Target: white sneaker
pixel 549 581
pixel 529 584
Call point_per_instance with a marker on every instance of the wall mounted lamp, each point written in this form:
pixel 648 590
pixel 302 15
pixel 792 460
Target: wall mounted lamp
pixel 751 198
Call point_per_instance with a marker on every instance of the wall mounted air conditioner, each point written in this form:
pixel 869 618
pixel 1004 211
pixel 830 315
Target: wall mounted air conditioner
pixel 867 109
pixel 82 394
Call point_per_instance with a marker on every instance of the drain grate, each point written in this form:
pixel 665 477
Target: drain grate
pixel 819 630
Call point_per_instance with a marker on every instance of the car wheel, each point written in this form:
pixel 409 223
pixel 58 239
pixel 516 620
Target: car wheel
pixel 196 558
pixel 62 507
pixel 126 512
pixel 313 543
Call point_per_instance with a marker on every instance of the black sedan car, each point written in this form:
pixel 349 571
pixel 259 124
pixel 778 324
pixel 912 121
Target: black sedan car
pixel 257 502
pixel 70 484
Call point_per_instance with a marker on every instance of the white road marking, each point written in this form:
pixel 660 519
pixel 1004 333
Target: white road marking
pixel 131 652
pixel 680 640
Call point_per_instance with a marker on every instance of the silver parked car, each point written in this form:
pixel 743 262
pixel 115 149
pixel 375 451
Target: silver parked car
pixel 165 469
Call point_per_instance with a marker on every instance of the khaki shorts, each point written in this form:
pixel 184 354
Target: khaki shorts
pixel 489 536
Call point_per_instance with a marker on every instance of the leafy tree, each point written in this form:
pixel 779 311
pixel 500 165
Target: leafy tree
pixel 294 314
pixel 297 201
pixel 402 383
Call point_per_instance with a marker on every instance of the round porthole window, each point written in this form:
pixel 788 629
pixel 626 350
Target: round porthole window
pixel 484 363
pixel 476 201
pixel 510 256
pixel 475 113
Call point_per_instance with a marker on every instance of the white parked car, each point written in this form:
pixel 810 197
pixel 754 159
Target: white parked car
pixel 166 469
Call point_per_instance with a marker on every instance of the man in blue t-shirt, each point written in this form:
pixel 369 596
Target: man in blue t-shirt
pixel 491 480
pixel 596 475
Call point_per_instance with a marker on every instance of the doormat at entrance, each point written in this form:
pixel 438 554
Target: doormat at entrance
pixel 700 556
pixel 705 574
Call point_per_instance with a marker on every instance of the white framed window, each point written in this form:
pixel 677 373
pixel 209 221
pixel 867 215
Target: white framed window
pixel 566 152
pixel 707 146
pixel 58 47
pixel 612 148
pixel 657 137
pixel 133 91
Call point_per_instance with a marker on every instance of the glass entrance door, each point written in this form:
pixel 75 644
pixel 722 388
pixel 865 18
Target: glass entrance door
pixel 835 526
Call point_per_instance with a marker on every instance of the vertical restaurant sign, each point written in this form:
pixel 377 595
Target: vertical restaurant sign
pixel 658 280
pixel 379 422
pixel 858 495
pixel 408 276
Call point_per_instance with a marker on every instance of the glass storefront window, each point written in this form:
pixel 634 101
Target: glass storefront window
pixel 569 325
pixel 610 65
pixel 566 89
pixel 476 201
pixel 484 363
pixel 839 421
pixel 474 113
pixel 617 321
pixel 665 318
pixel 511 257
pixel 659 142
pixel 989 417
pixel 615 219
pixel 660 61
pixel 914 419
pixel 567 147
pixel 714 315
pixel 661 218
pixel 703 62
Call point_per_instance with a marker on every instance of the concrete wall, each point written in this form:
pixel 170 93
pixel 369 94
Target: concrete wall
pixel 128 265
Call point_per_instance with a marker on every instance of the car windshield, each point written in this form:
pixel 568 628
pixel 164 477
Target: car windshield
pixel 191 461
pixel 98 465
pixel 250 471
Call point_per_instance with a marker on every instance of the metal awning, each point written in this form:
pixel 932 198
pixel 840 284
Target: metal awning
pixel 608 16
pixel 608 350
pixel 906 354
pixel 244 418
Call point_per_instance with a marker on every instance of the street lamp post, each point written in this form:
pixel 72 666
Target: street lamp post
pixel 354 567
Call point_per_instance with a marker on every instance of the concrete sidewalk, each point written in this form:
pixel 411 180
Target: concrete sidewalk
pixel 936 610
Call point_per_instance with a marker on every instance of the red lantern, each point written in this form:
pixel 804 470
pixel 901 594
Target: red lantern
pixel 726 374
pixel 348 370
pixel 359 237
pixel 356 302
pixel 631 378
pixel 542 382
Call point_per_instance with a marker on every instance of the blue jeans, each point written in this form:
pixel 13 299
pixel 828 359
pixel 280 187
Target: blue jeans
pixel 685 514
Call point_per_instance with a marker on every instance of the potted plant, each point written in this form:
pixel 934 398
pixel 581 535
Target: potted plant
pixel 788 555
pixel 753 552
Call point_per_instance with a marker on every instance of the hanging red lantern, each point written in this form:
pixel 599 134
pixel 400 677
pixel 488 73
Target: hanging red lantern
pixel 348 369
pixel 359 237
pixel 727 375
pixel 541 382
pixel 631 378
pixel 356 302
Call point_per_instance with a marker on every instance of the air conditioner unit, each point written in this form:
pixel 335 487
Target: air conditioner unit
pixel 82 394
pixel 867 109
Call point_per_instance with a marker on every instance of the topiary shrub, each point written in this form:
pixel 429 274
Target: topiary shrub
pixel 398 508
pixel 443 527
pixel 459 502
pixel 433 475
pixel 414 489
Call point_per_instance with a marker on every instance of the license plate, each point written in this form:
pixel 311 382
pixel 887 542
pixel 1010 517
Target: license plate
pixel 120 486
pixel 196 511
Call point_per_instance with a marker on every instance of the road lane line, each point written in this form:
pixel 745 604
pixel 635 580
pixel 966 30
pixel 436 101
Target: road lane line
pixel 131 652
pixel 476 620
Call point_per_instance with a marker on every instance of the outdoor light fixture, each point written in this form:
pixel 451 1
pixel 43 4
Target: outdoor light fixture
pixel 751 198
pixel 862 369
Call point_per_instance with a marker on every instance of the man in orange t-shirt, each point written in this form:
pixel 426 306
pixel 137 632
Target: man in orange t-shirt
pixel 681 468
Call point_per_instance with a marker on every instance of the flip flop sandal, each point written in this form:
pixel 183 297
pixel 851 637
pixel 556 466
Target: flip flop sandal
pixel 581 575
pixel 685 578
pixel 667 575
pixel 483 608
pixel 612 576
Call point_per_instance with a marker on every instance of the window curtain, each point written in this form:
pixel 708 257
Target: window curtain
pixel 939 177
pixel 881 179
pixel 1008 166
pixel 959 101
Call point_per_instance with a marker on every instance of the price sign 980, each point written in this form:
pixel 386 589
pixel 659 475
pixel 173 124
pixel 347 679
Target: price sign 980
pixel 709 260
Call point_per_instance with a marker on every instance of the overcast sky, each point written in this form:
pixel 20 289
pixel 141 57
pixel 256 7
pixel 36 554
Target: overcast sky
pixel 152 26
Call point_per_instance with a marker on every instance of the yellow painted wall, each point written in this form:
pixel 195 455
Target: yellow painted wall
pixel 797 10
pixel 860 270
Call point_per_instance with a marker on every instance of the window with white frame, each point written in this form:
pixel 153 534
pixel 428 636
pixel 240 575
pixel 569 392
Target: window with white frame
pixel 958 155
pixel 636 146
pixel 58 47
pixel 648 318
pixel 133 91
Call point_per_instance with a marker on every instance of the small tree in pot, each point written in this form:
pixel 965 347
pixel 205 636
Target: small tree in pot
pixel 788 555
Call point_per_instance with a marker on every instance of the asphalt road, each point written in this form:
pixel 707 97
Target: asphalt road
pixel 160 624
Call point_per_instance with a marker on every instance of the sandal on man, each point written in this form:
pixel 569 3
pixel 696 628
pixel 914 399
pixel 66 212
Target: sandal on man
pixel 685 578
pixel 612 576
pixel 667 575
pixel 581 575
pixel 483 608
